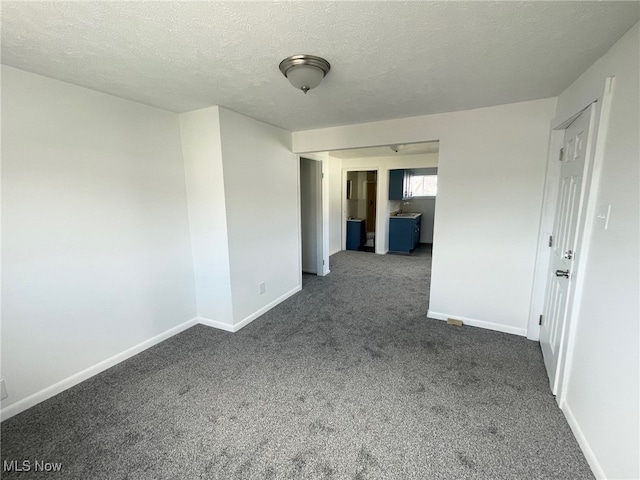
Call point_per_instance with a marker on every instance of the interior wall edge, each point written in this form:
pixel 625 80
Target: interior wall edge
pixel 227 327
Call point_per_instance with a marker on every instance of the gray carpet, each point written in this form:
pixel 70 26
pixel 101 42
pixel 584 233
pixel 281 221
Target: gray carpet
pixel 347 379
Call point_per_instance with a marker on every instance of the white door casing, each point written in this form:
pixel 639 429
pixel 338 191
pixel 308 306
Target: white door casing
pixel 571 194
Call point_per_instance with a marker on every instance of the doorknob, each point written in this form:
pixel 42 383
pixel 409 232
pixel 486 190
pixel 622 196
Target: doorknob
pixel 562 273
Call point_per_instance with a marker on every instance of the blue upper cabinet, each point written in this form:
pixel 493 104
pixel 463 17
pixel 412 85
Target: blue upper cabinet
pixel 400 184
pixel 396 184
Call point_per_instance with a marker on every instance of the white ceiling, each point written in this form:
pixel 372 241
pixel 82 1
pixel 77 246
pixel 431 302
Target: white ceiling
pixel 389 59
pixel 386 151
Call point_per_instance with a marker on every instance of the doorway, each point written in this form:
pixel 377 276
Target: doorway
pixel 573 175
pixel 361 208
pixel 311 225
pixel 572 191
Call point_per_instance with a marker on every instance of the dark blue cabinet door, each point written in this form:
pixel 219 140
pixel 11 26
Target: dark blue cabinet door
pixel 401 234
pixel 396 184
pixel 404 234
pixel 356 235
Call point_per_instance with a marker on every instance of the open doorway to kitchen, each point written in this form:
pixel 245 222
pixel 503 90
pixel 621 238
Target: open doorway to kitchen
pixel 412 204
pixel 405 185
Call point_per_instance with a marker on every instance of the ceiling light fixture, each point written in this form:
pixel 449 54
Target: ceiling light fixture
pixel 396 148
pixel 304 71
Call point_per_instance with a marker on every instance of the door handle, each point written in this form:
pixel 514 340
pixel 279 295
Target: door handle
pixel 562 273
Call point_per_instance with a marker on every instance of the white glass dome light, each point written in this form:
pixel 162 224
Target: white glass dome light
pixel 304 71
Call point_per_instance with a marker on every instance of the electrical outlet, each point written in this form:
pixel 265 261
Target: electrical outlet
pixel 3 390
pixel 263 288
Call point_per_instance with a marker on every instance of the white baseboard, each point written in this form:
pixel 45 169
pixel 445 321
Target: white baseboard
pixel 335 251
pixel 246 321
pixel 498 327
pixel 59 387
pixel 592 460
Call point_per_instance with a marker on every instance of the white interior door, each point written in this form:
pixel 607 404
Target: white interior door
pixel 563 244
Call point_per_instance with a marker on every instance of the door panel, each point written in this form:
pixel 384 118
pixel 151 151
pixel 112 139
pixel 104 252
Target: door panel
pixel 556 311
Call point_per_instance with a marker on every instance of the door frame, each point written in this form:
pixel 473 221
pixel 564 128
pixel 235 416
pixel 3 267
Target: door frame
pixel 322 215
pixel 588 205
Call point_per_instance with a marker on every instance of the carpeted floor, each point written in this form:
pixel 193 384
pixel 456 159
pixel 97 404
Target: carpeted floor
pixel 347 380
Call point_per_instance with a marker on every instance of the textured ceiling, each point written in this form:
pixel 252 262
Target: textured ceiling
pixel 389 59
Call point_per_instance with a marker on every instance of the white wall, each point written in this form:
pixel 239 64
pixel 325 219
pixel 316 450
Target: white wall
pixel 490 181
pixel 242 184
pixel 202 152
pixel 261 195
pixel 96 257
pixel 601 390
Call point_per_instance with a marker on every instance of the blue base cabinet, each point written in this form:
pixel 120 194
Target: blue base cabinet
pixel 404 233
pixel 356 234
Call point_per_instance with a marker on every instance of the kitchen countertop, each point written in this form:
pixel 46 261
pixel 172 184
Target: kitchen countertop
pixel 406 215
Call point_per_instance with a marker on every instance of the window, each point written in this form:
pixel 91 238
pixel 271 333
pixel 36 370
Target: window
pixel 424 185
